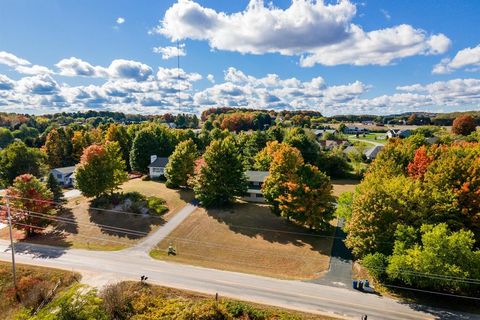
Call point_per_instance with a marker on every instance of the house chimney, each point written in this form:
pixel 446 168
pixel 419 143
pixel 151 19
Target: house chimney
pixel 153 158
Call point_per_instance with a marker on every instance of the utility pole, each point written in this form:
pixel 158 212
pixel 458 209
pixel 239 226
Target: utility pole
pixel 9 217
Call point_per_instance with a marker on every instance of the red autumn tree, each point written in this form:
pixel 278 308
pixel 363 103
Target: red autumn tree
pixel 464 125
pixel 31 202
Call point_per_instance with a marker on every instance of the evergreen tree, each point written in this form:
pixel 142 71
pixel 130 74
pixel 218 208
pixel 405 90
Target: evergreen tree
pixel 55 187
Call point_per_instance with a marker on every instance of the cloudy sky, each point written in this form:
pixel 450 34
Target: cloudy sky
pixel 337 57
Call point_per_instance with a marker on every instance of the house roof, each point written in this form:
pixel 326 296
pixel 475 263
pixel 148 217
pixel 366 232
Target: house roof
pixel 256 176
pixel 350 149
pixel 65 170
pixel 372 152
pixel 160 162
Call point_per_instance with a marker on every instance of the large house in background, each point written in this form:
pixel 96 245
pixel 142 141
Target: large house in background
pixel 255 181
pixel 355 130
pixel 157 166
pixel 65 176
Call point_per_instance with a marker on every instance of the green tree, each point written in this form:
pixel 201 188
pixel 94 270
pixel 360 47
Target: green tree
pixel 304 141
pixel 344 205
pixel 6 137
pixel 101 170
pixel 181 164
pixel 17 159
pixel 55 187
pixel 450 256
pixel 119 133
pixel 152 140
pixel 30 202
pixel 221 177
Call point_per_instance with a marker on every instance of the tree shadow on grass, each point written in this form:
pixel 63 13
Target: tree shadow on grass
pixel 67 222
pixel 46 245
pixel 125 225
pixel 256 220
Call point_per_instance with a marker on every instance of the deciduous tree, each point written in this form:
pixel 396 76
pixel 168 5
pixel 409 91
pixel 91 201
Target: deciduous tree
pixel 221 177
pixel 101 170
pixel 31 204
pixel 464 125
pixel 17 159
pixel 181 164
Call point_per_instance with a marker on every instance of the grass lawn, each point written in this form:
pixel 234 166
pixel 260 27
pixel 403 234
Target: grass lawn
pixel 32 282
pixel 87 231
pixel 340 186
pixel 248 238
pixel 374 137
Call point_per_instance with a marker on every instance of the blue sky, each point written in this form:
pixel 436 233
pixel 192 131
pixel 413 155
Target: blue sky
pixel 336 57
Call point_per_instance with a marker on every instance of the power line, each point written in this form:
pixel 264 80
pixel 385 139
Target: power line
pixel 432 292
pixel 210 244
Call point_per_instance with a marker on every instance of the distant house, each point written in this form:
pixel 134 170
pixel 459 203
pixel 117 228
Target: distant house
pixel 255 181
pixel 156 167
pixel 355 130
pixel 394 133
pixel 372 153
pixel 331 144
pixel 319 132
pixel 350 149
pixel 65 176
pixel 368 123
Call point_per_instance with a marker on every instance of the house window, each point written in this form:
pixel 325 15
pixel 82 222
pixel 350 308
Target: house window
pixel 258 195
pixel 157 170
pixel 59 176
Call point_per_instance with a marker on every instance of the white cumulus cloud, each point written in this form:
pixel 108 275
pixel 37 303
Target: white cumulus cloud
pixel 120 20
pixel 171 51
pixel 318 32
pixel 468 57
pixel 21 65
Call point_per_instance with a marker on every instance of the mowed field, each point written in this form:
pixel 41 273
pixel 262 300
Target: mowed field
pixel 107 230
pixel 248 238
pixel 343 185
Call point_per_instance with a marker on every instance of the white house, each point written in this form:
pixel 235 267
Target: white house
pixel 157 166
pixel 393 133
pixel 65 176
pixel 355 130
pixel 255 181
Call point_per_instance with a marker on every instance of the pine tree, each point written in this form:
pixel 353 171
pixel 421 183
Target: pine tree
pixel 55 187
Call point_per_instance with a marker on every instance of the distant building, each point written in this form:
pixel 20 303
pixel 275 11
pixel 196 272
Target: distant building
pixel 331 144
pixel 156 167
pixel 319 132
pixel 372 153
pixel 355 130
pixel 255 181
pixel 397 133
pixel 65 176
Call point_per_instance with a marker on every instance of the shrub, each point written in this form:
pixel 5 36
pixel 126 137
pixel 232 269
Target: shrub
pixel 117 299
pixel 376 264
pixel 210 310
pixel 156 205
pixel 245 311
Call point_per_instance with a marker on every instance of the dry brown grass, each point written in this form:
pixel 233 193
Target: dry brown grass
pixel 87 231
pixel 340 186
pixel 248 238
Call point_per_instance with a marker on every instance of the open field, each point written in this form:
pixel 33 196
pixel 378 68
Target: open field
pixel 248 238
pixel 92 229
pixel 345 185
pixel 32 281
pixel 374 137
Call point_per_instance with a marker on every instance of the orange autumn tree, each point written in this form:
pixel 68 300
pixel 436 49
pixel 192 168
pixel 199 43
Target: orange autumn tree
pixel 31 203
pixel 101 170
pixel 464 125
pixel 296 190
pixel 418 167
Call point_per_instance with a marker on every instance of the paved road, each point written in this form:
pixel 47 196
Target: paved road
pixel 145 246
pixel 304 296
pixel 339 273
